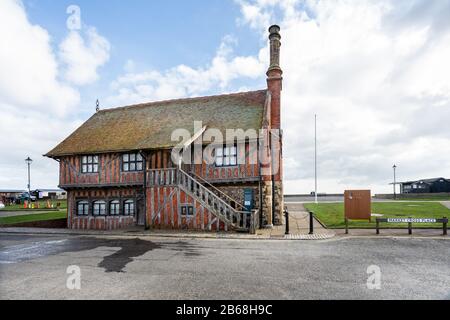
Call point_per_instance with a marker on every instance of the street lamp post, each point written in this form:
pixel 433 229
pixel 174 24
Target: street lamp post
pixel 395 182
pixel 29 161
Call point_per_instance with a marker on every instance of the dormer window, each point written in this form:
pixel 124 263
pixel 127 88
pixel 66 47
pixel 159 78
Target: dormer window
pixel 132 162
pixel 89 164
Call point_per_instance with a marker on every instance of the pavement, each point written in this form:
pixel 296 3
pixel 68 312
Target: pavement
pixel 298 218
pixel 446 204
pixel 115 267
pixel 298 230
pixel 298 226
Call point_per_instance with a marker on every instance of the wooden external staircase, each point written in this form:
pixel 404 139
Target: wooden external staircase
pixel 211 198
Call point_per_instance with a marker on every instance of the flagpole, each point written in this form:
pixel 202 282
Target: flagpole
pixel 315 158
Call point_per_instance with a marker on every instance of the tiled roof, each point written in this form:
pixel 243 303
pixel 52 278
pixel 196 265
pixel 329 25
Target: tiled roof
pixel 150 125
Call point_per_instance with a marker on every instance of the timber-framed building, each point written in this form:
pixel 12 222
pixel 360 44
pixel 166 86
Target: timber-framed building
pixel 119 170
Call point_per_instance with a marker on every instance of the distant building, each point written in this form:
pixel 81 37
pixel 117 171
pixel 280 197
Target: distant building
pixel 9 195
pixel 50 194
pixel 436 185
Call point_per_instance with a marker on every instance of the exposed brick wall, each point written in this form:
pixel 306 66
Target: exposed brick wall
pixel 237 193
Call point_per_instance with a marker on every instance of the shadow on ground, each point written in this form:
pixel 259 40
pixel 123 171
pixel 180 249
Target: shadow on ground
pixel 116 262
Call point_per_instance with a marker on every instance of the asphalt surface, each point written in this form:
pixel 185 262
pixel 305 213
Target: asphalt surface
pixel 34 267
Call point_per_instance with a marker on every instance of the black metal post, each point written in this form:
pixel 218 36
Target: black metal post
pixel 311 222
pixel 445 226
pixel 346 226
pixel 286 216
pixel 378 226
pixel 410 226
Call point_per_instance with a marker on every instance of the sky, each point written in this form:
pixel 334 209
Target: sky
pixel 376 73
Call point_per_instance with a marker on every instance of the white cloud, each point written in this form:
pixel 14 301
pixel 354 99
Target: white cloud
pixel 82 56
pixel 29 71
pixel 36 107
pixel 376 72
pixel 378 75
pixel 182 80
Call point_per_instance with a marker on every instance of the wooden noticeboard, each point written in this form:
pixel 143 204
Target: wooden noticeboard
pixel 357 204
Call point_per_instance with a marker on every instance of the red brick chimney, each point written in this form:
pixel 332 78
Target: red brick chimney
pixel 274 85
pixel 274 75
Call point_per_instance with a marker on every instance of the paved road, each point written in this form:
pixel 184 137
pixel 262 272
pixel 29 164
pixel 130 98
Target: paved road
pixel 151 268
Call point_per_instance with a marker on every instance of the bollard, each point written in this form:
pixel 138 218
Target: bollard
pixel 286 215
pixel 445 226
pixel 410 226
pixel 311 222
pixel 378 226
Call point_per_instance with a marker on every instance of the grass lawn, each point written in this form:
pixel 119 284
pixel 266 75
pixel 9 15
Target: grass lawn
pixel 42 205
pixel 34 217
pixel 332 214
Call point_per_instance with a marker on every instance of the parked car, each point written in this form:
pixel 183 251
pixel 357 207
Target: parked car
pixel 26 196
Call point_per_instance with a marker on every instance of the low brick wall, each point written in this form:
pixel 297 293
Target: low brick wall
pixel 52 224
pixel 102 223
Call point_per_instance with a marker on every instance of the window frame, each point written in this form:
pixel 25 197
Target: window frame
pixel 86 208
pixel 99 214
pixel 227 152
pixel 126 207
pixel 186 208
pixel 89 161
pixel 138 160
pixel 116 204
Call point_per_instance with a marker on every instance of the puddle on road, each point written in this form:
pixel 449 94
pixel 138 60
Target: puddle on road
pixel 116 262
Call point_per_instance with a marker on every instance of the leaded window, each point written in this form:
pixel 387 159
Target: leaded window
pixel 89 164
pixel 132 162
pixel 82 208
pixel 187 210
pixel 114 208
pixel 128 207
pixel 226 156
pixel 99 208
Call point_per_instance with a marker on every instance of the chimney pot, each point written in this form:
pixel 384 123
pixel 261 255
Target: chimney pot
pixel 274 30
pixel 275 44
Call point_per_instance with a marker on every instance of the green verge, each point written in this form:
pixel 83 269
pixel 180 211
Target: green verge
pixel 332 214
pixel 42 206
pixel 33 217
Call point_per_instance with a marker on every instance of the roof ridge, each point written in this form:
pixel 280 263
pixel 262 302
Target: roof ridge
pixel 148 104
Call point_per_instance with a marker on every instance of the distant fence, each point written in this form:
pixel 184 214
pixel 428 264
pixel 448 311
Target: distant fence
pixel 410 222
pixel 312 195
